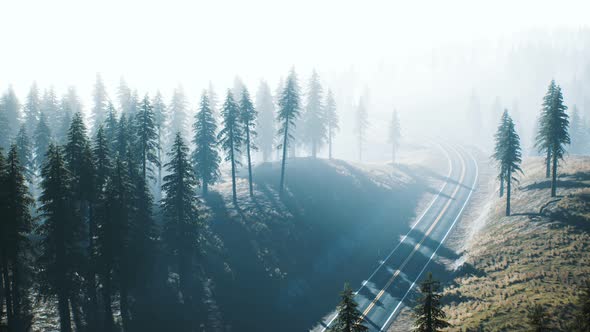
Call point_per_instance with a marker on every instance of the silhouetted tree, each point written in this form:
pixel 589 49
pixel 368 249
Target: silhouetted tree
pixel 100 98
pixel 24 149
pixel 507 154
pixel 147 137
pixel 289 110
pixel 178 109
pixel 428 312
pixel 111 126
pixel 42 139
pixel 160 116
pixel 231 136
pixel 537 318
pixel 32 108
pixel 248 117
pixel 579 133
pixel 70 105
pixel 541 140
pixel 205 157
pixel 314 118
pixel 50 107
pixel 349 318
pixel 361 126
pixel 394 135
pixel 266 121
pixel 331 120
pixel 60 235
pixel 124 97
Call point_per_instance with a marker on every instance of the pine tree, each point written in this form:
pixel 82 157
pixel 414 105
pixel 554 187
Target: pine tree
pixel 248 117
pixel 100 98
pixel 541 143
pixel 205 157
pixel 314 118
pixel 124 97
pixel 428 313
pixel 60 235
pixel 579 137
pixel 213 101
pixel 15 246
pixel 111 128
pixel 178 109
pixel 289 110
pixel 147 137
pixel 553 131
pixel 349 318
pixel 361 126
pixel 4 131
pixel 331 120
pixel 70 105
pixel 182 221
pixel 50 108
pixel 124 136
pixel 80 163
pixel 231 136
pixel 537 318
pixel 507 154
pixel 32 108
pixel 10 107
pixel 24 150
pixel 266 121
pixel 394 135
pixel 42 139
pixel 161 117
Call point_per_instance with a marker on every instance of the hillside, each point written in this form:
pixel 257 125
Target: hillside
pixel 538 255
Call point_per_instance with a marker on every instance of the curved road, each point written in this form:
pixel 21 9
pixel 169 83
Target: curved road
pixel 383 294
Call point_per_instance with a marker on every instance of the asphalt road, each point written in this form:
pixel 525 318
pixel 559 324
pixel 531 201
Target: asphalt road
pixel 387 289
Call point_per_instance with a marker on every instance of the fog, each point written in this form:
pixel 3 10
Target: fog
pixel 430 61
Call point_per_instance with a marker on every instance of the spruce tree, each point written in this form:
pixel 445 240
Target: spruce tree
pixel 147 137
pixel 100 99
pixel 289 110
pixel 124 96
pixel 248 117
pixel 265 121
pixel 231 136
pixel 507 154
pixel 161 117
pixel 15 247
pixel 24 150
pixel 394 135
pixel 70 105
pixel 178 110
pixel 111 128
pixel 124 137
pixel 10 107
pixel 32 108
pixel 361 126
pixel 579 135
pixel 213 101
pixel 50 108
pixel 314 118
pixel 349 318
pixel 537 318
pixel 553 131
pixel 4 131
pixel 331 120
pixel 60 235
pixel 541 142
pixel 428 314
pixel 205 157
pixel 181 228
pixel 42 139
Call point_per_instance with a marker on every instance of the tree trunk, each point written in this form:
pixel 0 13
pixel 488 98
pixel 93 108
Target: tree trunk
pixel 65 324
pixel 249 162
pixel 91 274
pixel 282 183
pixel 125 319
pixel 77 314
pixel 508 191
pixel 554 177
pixel 233 171
pixel 7 292
pixel 548 162
pixel 17 307
pixel 1 293
pixel 501 185
pixel 109 321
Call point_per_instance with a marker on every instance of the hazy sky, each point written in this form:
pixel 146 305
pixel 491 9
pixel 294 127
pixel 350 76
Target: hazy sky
pixel 163 43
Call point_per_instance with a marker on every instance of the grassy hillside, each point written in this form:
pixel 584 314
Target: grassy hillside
pixel 538 255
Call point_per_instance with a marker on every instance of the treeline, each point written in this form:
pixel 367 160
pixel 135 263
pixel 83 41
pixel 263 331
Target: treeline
pixel 106 223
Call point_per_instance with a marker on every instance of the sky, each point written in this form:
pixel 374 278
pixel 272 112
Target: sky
pixel 159 44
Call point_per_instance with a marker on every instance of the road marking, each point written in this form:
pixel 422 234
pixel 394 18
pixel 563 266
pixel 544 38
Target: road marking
pixel 418 245
pixel 363 284
pixel 439 245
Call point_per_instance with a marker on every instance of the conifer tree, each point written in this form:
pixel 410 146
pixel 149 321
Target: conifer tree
pixel 4 131
pixel 5 301
pixel 248 117
pixel 42 139
pixel 537 319
pixel 10 107
pixel 161 118
pixel 178 109
pixel 331 120
pixel 124 96
pixel 60 235
pixel 507 154
pixel 24 150
pixel 111 128
pixel 266 121
pixel 181 226
pixel 429 317
pixel 100 98
pixel 553 131
pixel 289 110
pixel 361 126
pixel 124 138
pixel 541 143
pixel 32 108
pixel 50 108
pixel 579 135
pixel 349 318
pixel 394 135
pixel 205 157
pixel 231 136
pixel 314 118
pixel 213 101
pixel 147 137
pixel 70 105
pixel 15 247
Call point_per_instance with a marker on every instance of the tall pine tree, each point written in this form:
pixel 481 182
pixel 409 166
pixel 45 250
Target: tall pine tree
pixel 42 138
pixel 147 137
pixel 231 137
pixel 205 157
pixel 289 110
pixel 266 121
pixel 99 106
pixel 248 117
pixel 24 149
pixel 32 108
pixel 541 143
pixel 394 135
pixel 314 118
pixel 331 120
pixel 361 126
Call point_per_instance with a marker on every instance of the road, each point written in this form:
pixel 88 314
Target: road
pixel 384 293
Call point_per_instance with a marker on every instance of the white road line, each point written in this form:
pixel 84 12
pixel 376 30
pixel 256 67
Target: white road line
pixel 439 245
pixel 363 284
